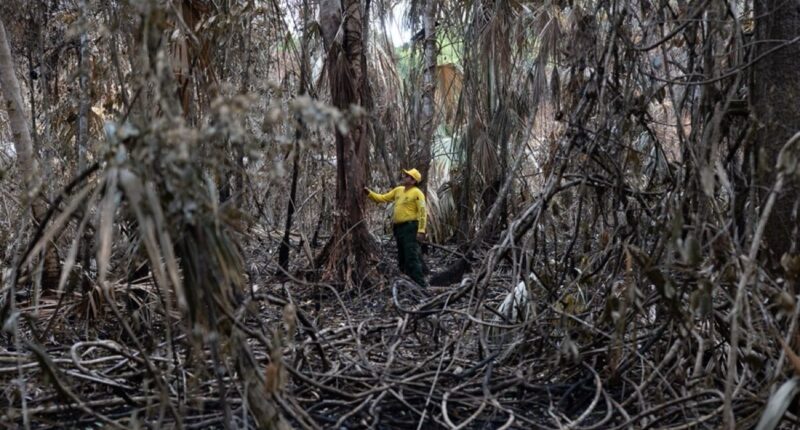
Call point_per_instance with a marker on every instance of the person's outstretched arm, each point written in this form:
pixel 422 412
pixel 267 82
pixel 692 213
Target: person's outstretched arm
pixel 422 215
pixel 381 198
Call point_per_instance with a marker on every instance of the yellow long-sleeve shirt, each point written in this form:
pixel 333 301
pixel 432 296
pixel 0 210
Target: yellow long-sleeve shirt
pixel 409 205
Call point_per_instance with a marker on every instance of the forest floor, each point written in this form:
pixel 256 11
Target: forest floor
pixel 391 356
pixel 402 357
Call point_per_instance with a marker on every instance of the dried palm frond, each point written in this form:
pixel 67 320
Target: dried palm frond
pixel 545 28
pixel 384 77
pixel 442 214
pixel 495 38
pixel 537 80
pixel 340 77
pixel 448 90
pixel 486 156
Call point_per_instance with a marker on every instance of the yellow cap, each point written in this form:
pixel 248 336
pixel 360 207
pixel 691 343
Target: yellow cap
pixel 414 173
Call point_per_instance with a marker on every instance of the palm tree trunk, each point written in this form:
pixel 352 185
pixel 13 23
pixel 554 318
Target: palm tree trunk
pixel 350 248
pixel 425 122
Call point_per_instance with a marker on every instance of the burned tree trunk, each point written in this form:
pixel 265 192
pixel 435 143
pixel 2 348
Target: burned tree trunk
pixel 424 124
pixel 776 89
pixel 192 58
pixel 350 247
pixel 283 250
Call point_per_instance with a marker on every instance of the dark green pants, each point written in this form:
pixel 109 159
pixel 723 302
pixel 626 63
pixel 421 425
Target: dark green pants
pixel 409 257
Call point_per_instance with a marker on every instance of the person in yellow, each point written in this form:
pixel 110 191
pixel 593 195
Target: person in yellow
pixel 409 222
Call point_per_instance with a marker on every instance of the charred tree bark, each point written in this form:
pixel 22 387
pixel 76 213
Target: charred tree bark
pixel 192 56
pixel 776 89
pixel 82 138
pixel 112 17
pixel 246 43
pixel 464 231
pixel 425 125
pixel 283 251
pixel 350 248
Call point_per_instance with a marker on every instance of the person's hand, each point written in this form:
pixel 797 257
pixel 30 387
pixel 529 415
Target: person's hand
pixel 420 237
